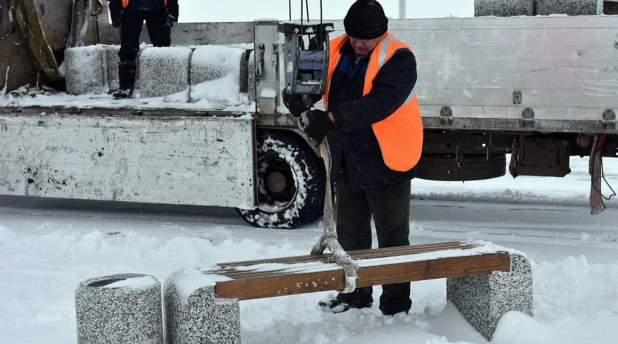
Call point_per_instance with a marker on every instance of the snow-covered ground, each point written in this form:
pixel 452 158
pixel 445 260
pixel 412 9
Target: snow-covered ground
pixel 48 246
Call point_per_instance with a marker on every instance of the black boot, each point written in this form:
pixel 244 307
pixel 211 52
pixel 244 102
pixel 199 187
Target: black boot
pixel 339 306
pixel 123 93
pixel 126 76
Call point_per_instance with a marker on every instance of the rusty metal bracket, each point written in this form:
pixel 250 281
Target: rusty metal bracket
pixel 528 118
pixel 608 119
pixel 446 116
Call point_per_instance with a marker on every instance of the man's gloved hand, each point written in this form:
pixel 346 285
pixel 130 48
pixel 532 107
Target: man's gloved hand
pixel 295 103
pixel 170 19
pixel 316 124
pixel 116 24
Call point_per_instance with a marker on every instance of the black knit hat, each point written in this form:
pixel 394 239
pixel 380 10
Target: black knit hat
pixel 365 20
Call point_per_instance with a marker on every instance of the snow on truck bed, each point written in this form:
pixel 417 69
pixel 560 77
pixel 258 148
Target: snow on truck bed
pixel 217 89
pixel 205 77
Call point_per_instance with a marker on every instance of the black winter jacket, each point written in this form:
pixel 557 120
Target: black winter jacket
pixel 353 144
pixel 115 7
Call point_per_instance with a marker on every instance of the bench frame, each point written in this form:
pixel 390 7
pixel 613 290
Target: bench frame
pixel 483 283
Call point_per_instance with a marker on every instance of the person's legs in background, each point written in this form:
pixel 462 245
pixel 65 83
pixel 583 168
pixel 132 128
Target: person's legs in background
pixel 129 48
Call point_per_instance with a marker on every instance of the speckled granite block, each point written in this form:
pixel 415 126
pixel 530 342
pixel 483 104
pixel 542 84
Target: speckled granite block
pixel 225 66
pixel 484 299
pixel 164 71
pixel 112 58
pixel 210 62
pixel 86 70
pixel 569 7
pixel 503 8
pixel 122 308
pixel 194 315
pixel 251 82
pixel 244 71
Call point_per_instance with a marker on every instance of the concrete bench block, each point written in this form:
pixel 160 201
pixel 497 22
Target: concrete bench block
pixel 86 70
pixel 218 73
pixel 569 7
pixel 194 315
pixel 503 8
pixel 484 299
pixel 164 71
pixel 112 61
pixel 124 308
pixel 251 78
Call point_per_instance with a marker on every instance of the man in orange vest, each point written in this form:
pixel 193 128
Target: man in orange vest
pixel 129 16
pixel 375 132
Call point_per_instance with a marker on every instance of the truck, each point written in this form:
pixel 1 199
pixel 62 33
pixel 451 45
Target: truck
pixel 208 128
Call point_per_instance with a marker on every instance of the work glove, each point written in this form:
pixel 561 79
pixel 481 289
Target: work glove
pixel 295 103
pixel 170 19
pixel 116 24
pixel 316 124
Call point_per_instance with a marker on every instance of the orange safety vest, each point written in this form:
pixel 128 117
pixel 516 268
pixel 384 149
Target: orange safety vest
pixel 400 135
pixel 125 3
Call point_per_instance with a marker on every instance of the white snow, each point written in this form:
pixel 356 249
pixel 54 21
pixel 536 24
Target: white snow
pixel 47 247
pixel 142 282
pixel 268 93
pixel 216 88
pixel 6 81
pixel 191 280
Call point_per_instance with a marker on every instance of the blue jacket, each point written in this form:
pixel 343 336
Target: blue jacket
pixel 353 143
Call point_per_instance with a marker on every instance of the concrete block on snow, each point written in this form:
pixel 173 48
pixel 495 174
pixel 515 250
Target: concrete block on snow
pixel 503 8
pixel 112 60
pixel 164 71
pixel 569 7
pixel 123 308
pixel 86 70
pixel 194 315
pixel 251 78
pixel 218 73
pixel 484 299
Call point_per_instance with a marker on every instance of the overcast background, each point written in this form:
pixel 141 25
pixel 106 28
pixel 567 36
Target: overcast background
pixel 249 10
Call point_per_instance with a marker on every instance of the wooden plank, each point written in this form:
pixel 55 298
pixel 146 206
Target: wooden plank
pixel 292 284
pixel 360 254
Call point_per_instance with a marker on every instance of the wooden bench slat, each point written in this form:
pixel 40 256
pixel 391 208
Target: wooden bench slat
pixel 361 254
pixel 299 283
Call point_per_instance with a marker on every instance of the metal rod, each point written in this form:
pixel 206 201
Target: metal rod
pixel 402 9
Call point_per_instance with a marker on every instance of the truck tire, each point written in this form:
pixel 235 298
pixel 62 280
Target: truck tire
pixel 290 182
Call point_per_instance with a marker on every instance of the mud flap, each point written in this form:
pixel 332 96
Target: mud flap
pixel 596 172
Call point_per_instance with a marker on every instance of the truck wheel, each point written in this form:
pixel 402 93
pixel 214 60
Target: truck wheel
pixel 290 182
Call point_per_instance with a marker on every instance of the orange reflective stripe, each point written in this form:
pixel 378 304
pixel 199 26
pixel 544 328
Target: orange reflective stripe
pixel 125 3
pixel 400 135
pixel 335 54
pixel 165 3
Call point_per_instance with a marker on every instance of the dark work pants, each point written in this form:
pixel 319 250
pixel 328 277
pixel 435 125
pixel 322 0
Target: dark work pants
pixel 390 207
pixel 130 31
